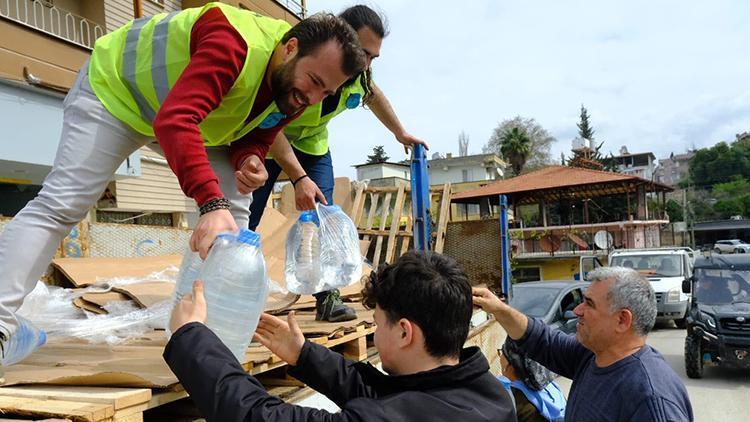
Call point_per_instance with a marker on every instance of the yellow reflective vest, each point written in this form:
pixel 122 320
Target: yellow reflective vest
pixel 133 69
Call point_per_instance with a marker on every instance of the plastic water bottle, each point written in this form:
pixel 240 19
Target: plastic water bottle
pixel 236 287
pixel 189 272
pixel 24 342
pixel 308 268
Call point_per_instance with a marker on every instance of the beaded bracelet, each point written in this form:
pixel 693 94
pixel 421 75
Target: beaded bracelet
pixel 294 182
pixel 215 204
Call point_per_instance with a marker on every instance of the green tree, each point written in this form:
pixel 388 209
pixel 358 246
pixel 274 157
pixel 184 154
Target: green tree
pixel 378 155
pixel 515 147
pixel 585 130
pixel 674 211
pixel 720 163
pixel 732 197
pixel 540 141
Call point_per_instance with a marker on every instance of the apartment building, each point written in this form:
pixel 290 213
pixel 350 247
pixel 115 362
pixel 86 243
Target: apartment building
pixel 43 43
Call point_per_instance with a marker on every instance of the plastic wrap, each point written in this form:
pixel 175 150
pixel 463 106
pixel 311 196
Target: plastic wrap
pixel 51 309
pixel 339 257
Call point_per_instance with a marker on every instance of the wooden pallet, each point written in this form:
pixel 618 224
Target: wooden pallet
pixel 105 404
pixel 390 205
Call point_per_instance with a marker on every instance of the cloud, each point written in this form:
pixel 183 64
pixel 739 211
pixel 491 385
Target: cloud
pixel 655 76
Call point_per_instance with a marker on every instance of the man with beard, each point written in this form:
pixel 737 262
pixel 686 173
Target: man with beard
pixel 616 375
pixel 301 150
pixel 422 309
pixel 213 85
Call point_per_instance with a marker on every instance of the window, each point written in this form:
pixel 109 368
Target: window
pixel 570 301
pixel 524 274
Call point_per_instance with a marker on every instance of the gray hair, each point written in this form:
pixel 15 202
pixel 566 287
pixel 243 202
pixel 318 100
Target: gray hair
pixel 632 291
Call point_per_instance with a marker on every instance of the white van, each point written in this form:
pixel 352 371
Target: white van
pixel 666 268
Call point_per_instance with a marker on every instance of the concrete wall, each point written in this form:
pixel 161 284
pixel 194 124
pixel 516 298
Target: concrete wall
pixel 439 175
pixel 382 172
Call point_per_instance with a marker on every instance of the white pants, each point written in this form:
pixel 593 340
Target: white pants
pixel 92 146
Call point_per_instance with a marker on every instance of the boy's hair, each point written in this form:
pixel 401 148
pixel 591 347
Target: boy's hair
pixel 320 28
pixel 430 290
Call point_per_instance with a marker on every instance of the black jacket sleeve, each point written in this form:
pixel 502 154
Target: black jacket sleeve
pixel 330 374
pixel 223 391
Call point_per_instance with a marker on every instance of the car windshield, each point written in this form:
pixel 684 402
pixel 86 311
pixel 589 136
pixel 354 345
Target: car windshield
pixel 651 265
pixel 534 301
pixel 721 287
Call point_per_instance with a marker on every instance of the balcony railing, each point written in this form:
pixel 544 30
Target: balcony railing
pixel 294 6
pixel 585 239
pixel 40 15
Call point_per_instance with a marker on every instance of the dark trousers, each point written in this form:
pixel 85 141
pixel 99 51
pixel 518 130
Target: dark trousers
pixel 318 167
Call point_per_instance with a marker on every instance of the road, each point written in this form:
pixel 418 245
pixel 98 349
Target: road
pixel 722 395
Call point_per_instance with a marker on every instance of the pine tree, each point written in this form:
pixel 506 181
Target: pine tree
pixel 378 155
pixel 585 130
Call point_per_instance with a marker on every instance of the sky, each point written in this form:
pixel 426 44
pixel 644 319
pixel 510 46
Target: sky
pixel 660 75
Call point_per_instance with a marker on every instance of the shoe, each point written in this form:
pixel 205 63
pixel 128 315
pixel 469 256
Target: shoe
pixel 329 307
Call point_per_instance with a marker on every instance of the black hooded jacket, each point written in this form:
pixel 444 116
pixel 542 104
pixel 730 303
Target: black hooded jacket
pixel 224 392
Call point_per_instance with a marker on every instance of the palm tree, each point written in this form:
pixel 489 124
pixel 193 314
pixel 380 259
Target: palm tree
pixel 515 146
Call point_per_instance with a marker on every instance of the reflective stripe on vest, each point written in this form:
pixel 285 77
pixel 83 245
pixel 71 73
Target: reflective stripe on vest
pixel 159 76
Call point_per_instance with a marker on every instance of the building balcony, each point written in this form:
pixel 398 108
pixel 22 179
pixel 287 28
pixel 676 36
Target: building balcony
pixel 584 239
pixel 46 17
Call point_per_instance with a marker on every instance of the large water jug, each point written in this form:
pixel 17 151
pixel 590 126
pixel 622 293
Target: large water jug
pixel 236 288
pixel 189 272
pixel 307 265
pixel 340 257
pixel 25 341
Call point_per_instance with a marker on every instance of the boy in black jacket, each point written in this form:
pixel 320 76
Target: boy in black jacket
pixel 422 308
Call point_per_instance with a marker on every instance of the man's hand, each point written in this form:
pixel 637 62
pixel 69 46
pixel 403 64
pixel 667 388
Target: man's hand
pixel 407 140
pixel 285 339
pixel 191 308
pixel 305 192
pixel 251 176
pixel 514 322
pixel 209 225
pixel 487 300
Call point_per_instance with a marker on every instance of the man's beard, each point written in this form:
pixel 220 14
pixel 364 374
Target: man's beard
pixel 282 86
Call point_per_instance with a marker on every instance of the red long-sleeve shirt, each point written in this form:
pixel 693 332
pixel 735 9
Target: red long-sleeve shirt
pixel 217 55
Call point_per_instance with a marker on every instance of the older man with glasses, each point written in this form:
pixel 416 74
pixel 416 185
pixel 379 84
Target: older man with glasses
pixel 616 375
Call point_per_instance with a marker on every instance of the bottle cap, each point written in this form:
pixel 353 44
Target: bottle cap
pixel 249 237
pixel 42 338
pixel 309 216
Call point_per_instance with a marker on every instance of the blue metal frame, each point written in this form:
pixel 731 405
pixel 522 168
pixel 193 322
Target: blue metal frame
pixel 420 199
pixel 506 283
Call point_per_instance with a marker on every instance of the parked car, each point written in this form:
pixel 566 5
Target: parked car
pixel 666 269
pixel 551 301
pixel 718 322
pixel 731 246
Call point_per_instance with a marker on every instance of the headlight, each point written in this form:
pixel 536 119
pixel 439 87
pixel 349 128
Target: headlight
pixel 710 321
pixel 673 295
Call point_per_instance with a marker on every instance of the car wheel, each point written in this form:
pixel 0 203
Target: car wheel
pixel 693 357
pixel 738 250
pixel 681 323
pixel 717 250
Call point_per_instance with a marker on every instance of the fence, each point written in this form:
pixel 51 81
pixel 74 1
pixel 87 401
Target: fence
pixel 45 17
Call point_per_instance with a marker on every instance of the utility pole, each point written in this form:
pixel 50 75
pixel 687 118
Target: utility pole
pixel 684 213
pixel 137 9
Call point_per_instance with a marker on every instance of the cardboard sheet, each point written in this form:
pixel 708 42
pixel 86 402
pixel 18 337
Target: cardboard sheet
pixel 147 294
pixel 87 271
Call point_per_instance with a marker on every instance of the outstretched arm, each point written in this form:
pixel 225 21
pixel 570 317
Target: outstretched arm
pixel 382 109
